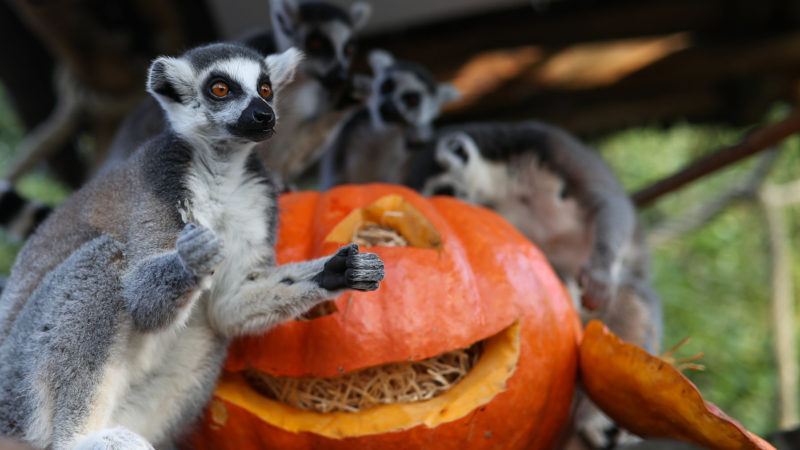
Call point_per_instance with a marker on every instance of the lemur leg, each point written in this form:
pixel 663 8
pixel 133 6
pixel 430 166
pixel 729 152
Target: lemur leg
pixel 287 291
pixel 159 291
pixel 76 378
pixel 119 438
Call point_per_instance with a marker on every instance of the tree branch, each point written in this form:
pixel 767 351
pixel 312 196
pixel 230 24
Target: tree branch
pixel 759 140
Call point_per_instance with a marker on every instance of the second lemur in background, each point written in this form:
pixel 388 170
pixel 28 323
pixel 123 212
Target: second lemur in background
pixel 564 198
pixel 374 143
pixel 316 100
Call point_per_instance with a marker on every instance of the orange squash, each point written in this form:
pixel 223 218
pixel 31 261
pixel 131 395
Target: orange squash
pixel 466 280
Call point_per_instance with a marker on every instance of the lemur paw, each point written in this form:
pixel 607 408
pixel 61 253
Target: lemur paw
pixel 597 288
pixel 350 269
pixel 200 249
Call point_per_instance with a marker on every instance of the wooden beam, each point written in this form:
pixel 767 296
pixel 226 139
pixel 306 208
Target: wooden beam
pixel 734 82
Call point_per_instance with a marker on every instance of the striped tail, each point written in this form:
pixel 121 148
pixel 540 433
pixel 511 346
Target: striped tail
pixel 18 215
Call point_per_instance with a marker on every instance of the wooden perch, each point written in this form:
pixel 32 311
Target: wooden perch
pixel 759 140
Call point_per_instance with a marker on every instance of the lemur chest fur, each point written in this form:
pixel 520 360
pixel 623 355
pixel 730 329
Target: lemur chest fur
pixel 537 203
pixel 226 198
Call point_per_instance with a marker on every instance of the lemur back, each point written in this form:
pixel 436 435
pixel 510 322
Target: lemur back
pixel 563 197
pixel 374 143
pixel 119 309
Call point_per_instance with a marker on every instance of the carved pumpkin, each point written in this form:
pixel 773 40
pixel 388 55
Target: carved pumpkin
pixel 470 342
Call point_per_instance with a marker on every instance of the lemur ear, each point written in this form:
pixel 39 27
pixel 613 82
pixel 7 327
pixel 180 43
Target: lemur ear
pixel 446 93
pixel 379 60
pixel 282 67
pixel 169 79
pixel 359 14
pixel 284 15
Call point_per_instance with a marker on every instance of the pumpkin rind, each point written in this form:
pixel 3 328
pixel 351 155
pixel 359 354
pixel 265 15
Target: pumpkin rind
pixel 485 277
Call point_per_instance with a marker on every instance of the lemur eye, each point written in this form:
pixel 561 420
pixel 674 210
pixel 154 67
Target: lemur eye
pixel 458 150
pixel 387 86
pixel 219 89
pixel 412 99
pixel 314 44
pixel 265 90
pixel 349 49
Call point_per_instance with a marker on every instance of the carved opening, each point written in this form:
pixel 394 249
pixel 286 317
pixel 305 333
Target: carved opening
pixel 401 382
pixel 389 221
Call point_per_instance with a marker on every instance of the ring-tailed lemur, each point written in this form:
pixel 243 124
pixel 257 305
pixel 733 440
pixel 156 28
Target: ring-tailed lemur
pixel 375 142
pixel 311 105
pixel 119 309
pixel 565 199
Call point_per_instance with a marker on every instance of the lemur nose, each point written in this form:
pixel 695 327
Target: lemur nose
pixel 262 115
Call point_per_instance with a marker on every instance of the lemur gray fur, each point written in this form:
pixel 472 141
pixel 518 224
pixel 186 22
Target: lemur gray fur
pixel 564 198
pixel 375 142
pixel 119 309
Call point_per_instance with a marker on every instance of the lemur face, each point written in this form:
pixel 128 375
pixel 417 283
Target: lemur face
pixel 222 92
pixel 325 33
pixel 465 173
pixel 405 93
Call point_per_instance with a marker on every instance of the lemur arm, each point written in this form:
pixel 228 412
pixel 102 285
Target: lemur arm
pixel 614 221
pixel 612 214
pixel 158 288
pixel 284 292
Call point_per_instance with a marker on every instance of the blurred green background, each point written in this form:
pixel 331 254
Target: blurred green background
pixel 714 281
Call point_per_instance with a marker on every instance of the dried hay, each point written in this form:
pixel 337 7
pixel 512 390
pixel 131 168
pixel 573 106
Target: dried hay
pixel 403 382
pixel 373 235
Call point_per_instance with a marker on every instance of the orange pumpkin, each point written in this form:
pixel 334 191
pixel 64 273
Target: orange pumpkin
pixel 468 284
